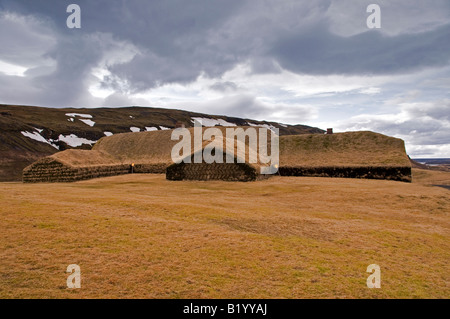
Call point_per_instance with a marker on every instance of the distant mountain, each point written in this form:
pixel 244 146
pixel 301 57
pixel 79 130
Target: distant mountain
pixel 433 161
pixel 28 133
pixel 437 164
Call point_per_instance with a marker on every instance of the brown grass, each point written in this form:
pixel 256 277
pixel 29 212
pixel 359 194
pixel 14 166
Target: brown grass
pixel 348 149
pixel 148 147
pixel 307 150
pixel 431 177
pixel 143 147
pixel 85 158
pixel 140 236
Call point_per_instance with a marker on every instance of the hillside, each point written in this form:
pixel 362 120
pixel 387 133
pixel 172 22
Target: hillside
pixel 28 133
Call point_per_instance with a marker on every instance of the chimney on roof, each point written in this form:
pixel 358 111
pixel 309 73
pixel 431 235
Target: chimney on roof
pixel 329 130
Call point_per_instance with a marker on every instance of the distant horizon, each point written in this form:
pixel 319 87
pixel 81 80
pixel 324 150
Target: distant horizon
pixel 431 158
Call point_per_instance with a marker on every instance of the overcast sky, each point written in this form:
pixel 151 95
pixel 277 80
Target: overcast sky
pixel 296 62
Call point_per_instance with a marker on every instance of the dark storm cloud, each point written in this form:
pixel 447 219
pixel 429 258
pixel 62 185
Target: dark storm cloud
pixel 178 40
pixel 178 51
pixel 172 35
pixel 318 51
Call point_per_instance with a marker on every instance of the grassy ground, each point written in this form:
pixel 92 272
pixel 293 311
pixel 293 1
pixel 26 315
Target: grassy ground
pixel 141 236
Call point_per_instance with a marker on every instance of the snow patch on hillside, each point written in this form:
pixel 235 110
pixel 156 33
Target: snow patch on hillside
pixel 108 133
pixel 149 129
pixel 71 140
pixel 268 126
pixel 87 116
pixel 88 122
pixel 211 122
pixel 38 137
pixel 74 140
pixel 135 129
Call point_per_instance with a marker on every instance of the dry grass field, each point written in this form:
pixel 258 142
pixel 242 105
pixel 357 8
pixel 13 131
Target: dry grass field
pixel 141 236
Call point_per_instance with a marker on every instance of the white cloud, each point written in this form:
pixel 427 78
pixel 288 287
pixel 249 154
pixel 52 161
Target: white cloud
pixel 115 52
pixel 424 126
pixel 370 90
pixel 428 151
pixel 12 69
pixel 284 88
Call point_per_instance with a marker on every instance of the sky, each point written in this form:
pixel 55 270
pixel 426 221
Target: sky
pixel 295 62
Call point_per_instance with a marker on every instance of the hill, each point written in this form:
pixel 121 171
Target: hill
pixel 363 148
pixel 361 154
pixel 28 133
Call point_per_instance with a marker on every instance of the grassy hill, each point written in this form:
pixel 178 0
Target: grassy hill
pixel 343 149
pixel 28 133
